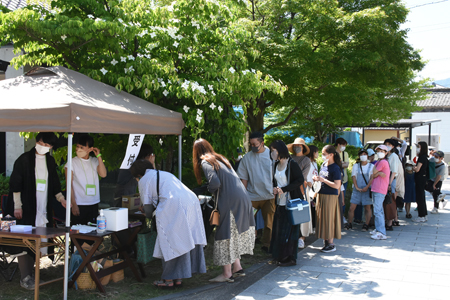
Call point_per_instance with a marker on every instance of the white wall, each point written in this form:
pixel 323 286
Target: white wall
pixel 6 54
pixel 441 128
pixel 14 143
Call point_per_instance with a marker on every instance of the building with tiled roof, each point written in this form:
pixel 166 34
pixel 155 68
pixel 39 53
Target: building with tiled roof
pixel 437 101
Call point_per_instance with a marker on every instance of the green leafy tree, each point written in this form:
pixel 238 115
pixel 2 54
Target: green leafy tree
pixel 186 55
pixel 344 63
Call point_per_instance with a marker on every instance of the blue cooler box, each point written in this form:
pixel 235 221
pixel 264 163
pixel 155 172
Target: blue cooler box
pixel 298 211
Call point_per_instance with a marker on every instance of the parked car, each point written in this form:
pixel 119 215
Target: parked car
pixel 373 144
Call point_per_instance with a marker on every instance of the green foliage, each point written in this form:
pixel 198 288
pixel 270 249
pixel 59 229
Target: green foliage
pixel 4 184
pixel 345 63
pixel 187 56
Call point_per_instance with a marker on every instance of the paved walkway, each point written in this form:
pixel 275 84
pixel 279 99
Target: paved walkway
pixel 413 263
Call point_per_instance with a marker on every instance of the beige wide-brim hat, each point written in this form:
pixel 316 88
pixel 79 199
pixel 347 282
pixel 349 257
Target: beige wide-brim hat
pixel 298 141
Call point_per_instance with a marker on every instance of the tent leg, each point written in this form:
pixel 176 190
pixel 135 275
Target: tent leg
pixel 180 140
pixel 429 134
pixel 68 198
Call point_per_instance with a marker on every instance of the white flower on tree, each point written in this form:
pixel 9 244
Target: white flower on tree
pixel 90 16
pixel 104 71
pixel 130 57
pixel 198 118
pixel 114 62
pixel 186 108
pixel 165 93
pixel 199 111
pixel 175 44
pixel 123 59
pixel 63 37
pixel 232 70
pixel 220 109
pixel 212 106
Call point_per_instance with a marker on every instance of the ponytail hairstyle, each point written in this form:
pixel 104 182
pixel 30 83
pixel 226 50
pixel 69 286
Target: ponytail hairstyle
pixel 331 150
pixel 203 150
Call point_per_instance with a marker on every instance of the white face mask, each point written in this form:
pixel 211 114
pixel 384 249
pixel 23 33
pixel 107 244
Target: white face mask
pixel 363 158
pixel 274 155
pixel 399 149
pixel 324 158
pixel 42 149
pixel 342 148
pixel 380 155
pixel 389 148
pixel 409 168
pixel 417 150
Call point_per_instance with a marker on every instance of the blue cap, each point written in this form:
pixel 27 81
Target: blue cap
pixel 370 152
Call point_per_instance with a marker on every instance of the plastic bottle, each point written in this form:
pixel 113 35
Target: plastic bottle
pixel 101 222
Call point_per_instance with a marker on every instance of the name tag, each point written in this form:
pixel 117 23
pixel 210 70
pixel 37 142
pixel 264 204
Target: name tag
pixel 41 185
pixel 91 190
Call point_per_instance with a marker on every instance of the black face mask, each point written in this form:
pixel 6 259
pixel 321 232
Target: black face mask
pixel 256 149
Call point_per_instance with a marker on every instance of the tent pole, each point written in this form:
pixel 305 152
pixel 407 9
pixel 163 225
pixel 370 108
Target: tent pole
pixel 68 198
pixel 429 134
pixel 179 156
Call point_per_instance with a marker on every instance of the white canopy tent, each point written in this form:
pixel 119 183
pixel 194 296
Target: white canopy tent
pixel 57 99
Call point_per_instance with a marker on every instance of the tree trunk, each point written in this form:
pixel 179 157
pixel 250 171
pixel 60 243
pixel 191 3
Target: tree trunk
pixel 255 121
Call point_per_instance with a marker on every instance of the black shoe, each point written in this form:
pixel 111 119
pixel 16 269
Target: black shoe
pixel 365 227
pixel 408 216
pixel 348 226
pixel 289 263
pixel 265 249
pixel 395 223
pixel 389 228
pixel 329 248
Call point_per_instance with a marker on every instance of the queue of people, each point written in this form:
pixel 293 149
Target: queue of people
pixel 265 179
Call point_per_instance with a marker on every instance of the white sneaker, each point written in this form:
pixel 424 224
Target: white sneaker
pixel 434 210
pixel 444 203
pixel 373 232
pixel 419 220
pixel 301 244
pixel 378 236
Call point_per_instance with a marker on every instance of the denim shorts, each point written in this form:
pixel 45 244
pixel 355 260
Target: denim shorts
pixel 359 198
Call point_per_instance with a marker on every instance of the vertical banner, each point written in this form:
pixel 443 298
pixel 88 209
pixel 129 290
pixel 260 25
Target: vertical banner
pixel 133 148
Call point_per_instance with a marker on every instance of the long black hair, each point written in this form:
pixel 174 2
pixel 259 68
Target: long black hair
pixel 331 150
pixel 423 149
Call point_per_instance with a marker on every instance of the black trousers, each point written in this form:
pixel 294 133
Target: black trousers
pixel 435 192
pixel 420 197
pixel 88 213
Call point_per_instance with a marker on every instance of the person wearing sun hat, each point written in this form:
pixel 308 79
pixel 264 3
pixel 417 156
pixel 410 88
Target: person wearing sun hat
pixel 299 151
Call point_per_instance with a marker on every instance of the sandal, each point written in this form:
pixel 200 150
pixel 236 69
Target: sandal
pixel 239 273
pixel 178 282
pixel 395 223
pixel 164 284
pixel 222 279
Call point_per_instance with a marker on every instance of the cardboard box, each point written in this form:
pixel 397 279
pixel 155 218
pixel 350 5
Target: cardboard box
pixel 116 218
pixel 132 202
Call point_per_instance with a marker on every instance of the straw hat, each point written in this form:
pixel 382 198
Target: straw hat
pixel 298 141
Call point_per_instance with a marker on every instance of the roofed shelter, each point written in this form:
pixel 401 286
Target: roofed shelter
pixel 57 99
pixel 403 124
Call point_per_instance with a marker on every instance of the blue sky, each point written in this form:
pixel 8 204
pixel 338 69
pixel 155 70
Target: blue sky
pixel 429 32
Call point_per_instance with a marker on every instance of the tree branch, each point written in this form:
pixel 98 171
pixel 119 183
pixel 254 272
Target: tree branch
pixel 81 45
pixel 289 116
pixel 70 62
pixel 267 104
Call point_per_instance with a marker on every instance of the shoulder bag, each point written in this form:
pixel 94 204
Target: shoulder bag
pixel 215 215
pixel 146 239
pixel 362 173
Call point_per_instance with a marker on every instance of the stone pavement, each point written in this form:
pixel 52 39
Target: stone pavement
pixel 413 263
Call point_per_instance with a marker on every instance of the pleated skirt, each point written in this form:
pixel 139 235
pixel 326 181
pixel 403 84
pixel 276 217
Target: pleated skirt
pixel 328 220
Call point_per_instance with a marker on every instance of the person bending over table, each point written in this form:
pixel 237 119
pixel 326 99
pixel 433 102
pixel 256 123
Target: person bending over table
pixel 179 222
pixel 33 186
pixel 85 182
